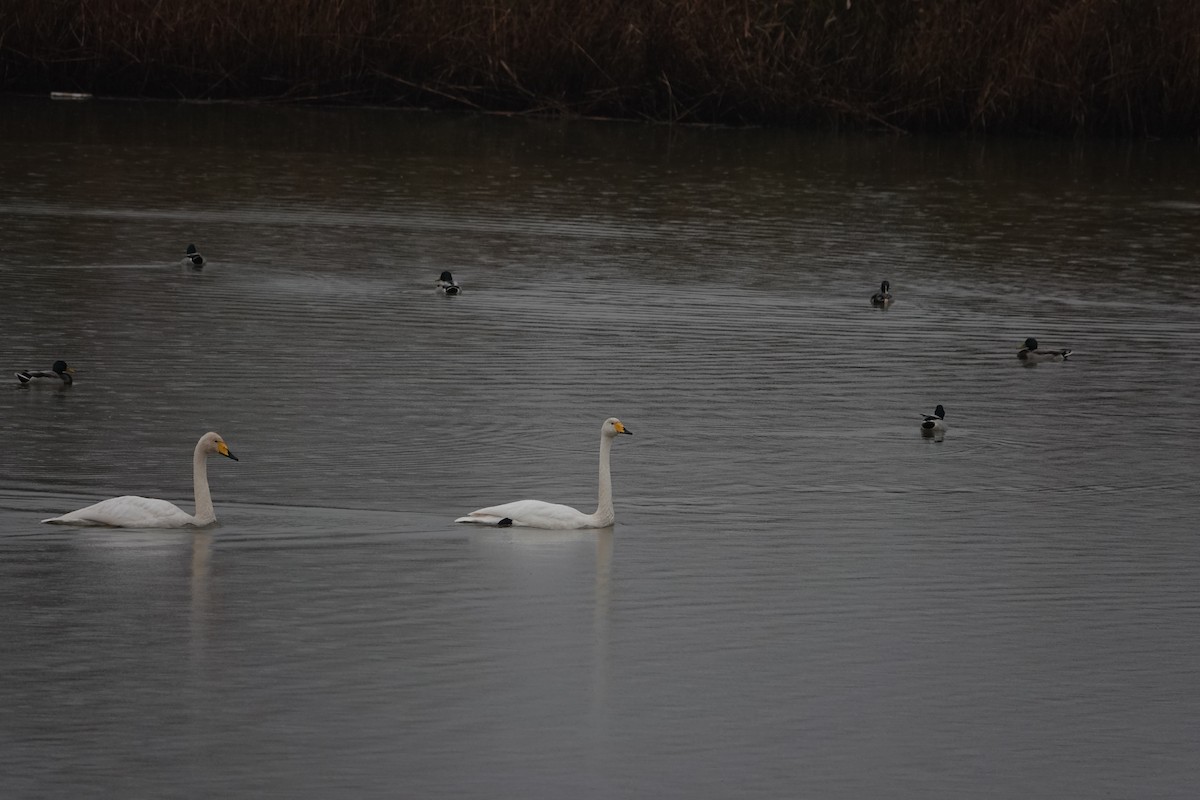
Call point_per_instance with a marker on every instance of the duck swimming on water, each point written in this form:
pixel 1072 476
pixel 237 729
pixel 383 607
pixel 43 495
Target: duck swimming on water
pixel 1030 354
pixel 193 258
pixel 884 296
pixel 447 285
pixel 59 375
pixel 935 422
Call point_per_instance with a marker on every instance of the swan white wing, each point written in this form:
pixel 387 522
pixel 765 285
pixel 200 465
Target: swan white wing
pixel 129 511
pixel 533 514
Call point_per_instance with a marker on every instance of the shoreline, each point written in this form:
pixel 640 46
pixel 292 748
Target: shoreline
pixel 1096 68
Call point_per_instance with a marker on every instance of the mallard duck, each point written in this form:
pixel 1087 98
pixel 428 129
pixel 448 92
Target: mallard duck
pixel 1030 353
pixel 884 296
pixel 193 258
pixel 935 422
pixel 447 285
pixel 59 375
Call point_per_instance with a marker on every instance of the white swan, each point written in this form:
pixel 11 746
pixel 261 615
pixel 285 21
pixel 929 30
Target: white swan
pixel 538 514
pixel 131 511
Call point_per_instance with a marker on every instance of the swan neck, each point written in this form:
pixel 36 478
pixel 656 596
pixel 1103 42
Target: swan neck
pixel 204 506
pixel 604 503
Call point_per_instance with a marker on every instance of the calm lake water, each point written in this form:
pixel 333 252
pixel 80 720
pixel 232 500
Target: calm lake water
pixel 802 597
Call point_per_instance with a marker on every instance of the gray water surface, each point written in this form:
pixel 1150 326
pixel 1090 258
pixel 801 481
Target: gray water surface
pixel 802 597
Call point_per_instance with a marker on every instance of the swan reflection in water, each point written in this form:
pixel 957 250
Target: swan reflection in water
pixel 200 588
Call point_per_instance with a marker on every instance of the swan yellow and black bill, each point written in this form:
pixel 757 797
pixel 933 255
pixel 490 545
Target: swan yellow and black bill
pixel 223 449
pixel 620 428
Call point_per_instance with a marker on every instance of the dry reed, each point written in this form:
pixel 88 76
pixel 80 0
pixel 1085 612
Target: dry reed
pixel 1114 67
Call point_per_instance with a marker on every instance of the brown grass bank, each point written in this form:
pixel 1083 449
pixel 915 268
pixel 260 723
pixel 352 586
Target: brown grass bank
pixel 1110 67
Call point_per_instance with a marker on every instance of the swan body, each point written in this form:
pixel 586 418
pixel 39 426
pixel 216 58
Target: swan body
pixel 535 514
pixel 193 258
pixel 935 422
pixel 447 285
pixel 59 375
pixel 1030 354
pixel 554 516
pixel 132 511
pixel 883 297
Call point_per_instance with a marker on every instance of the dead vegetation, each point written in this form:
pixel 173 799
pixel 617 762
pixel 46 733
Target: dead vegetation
pixel 1108 67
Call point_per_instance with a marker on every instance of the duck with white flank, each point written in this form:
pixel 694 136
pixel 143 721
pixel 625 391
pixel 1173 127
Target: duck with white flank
pixel 447 285
pixel 935 422
pixel 882 298
pixel 59 375
pixel 1030 353
pixel 193 258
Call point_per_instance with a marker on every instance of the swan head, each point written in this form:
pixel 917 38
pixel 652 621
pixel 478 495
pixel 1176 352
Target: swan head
pixel 60 367
pixel 212 442
pixel 939 412
pixel 885 287
pixel 613 426
pixel 447 277
pixel 1030 343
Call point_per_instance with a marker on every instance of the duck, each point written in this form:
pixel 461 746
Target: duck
pixel 935 422
pixel 193 258
pixel 447 285
pixel 1030 354
pixel 884 296
pixel 131 511
pixel 59 375
pixel 554 516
